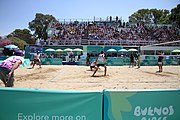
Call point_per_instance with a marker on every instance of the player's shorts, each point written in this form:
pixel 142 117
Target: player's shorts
pixel 101 65
pixel 3 76
pixel 92 66
pixel 36 61
pixel 160 63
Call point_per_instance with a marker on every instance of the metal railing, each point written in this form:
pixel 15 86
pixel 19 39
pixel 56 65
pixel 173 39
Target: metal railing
pixel 102 42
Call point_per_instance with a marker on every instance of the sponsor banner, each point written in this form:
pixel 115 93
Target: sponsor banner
pixel 35 104
pixel 142 105
pixel 145 61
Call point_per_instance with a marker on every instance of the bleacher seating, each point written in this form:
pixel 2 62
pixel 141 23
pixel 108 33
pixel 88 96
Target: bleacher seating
pixel 111 34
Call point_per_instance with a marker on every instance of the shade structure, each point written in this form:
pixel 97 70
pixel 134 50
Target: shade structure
pixel 176 51
pixel 59 50
pixel 122 50
pixel 78 50
pixel 68 50
pixel 132 50
pixel 49 50
pixel 11 46
pixel 111 50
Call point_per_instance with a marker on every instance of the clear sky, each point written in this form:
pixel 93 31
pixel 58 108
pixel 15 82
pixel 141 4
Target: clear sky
pixel 16 14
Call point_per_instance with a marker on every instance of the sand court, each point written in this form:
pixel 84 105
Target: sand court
pixel 68 77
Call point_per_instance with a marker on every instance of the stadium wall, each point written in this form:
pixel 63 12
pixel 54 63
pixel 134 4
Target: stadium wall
pixel 38 104
pixel 145 60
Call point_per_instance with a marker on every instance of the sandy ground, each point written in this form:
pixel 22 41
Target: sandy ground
pixel 79 78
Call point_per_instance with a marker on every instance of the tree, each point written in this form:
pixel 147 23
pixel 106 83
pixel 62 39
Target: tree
pixel 4 42
pixel 24 34
pixel 156 15
pixel 175 16
pixel 20 43
pixel 150 16
pixel 40 24
pixel 164 19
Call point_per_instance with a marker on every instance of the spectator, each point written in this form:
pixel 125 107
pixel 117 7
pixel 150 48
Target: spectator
pixel 72 33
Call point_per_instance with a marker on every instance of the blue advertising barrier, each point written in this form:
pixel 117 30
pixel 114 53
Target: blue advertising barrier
pixel 141 105
pixel 39 104
pixel 35 104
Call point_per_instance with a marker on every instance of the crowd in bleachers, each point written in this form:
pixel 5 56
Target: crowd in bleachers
pixel 102 31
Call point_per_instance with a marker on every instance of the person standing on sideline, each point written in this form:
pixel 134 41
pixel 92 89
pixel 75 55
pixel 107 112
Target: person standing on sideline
pixel 8 66
pixel 88 59
pixel 131 60
pixel 160 62
pixel 36 59
pixel 100 61
pixel 138 60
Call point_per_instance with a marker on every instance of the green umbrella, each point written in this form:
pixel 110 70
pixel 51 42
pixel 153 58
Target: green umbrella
pixel 122 50
pixel 59 50
pixel 176 51
pixel 111 50
pixel 11 46
pixel 49 50
pixel 78 50
pixel 132 50
pixel 67 50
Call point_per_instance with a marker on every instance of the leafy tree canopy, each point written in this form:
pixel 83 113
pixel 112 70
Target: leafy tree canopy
pixel 175 16
pixel 24 34
pixel 150 16
pixel 20 43
pixel 40 24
